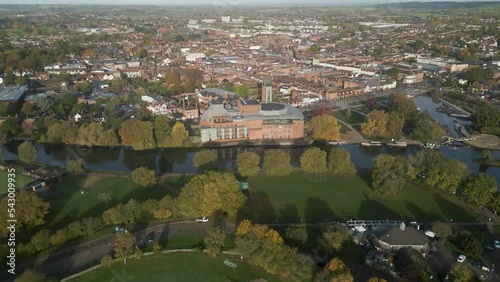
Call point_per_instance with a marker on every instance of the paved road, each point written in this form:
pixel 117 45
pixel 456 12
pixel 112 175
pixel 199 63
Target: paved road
pixel 73 259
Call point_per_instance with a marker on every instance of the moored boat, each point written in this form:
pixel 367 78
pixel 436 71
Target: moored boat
pixel 372 144
pixel 397 144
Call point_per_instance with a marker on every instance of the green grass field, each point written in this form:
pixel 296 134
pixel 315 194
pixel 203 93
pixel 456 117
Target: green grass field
pixel 178 268
pixel 69 204
pixel 295 198
pixel 355 117
pixel 21 180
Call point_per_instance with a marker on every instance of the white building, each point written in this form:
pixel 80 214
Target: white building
pixel 225 19
pixel 158 108
pixel 191 57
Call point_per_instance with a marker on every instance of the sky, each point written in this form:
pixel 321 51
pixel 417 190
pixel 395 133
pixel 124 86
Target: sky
pixel 210 2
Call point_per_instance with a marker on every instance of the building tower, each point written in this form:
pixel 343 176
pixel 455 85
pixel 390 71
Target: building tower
pixel 267 91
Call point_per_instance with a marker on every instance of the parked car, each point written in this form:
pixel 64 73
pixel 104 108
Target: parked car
pixel 497 244
pixel 202 219
pixel 489 248
pixel 461 258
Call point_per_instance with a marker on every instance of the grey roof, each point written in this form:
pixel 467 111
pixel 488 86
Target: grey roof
pixel 219 92
pixel 396 237
pixel 11 94
pixel 269 111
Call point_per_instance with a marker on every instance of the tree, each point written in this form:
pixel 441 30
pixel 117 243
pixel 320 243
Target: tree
pixel 31 210
pixel 105 196
pixel 84 87
pixel 162 131
pixel 124 246
pixel 107 261
pixel 41 240
pixel 333 235
pixel 90 135
pixel 376 279
pixel 10 127
pixel 394 124
pixel 277 163
pixel 214 240
pixel 208 193
pixel 248 163
pixel 375 123
pixel 75 166
pixel 487 157
pixel 403 106
pixel 495 202
pixel 156 247
pixel 348 114
pixel 337 271
pixel 471 247
pixel 21 80
pixel 30 275
pixel 461 273
pixel 479 188
pixel 313 161
pixel 486 116
pixel 296 234
pixel 137 253
pixel 442 230
pixel 27 152
pixel 138 134
pixel 204 160
pixel 324 127
pixel 387 175
pixel 393 73
pixel 339 162
pixel 144 177
pixel 9 78
pixel 179 135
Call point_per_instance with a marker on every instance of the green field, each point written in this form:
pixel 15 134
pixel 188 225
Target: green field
pixel 68 203
pixel 355 117
pixel 21 180
pixel 295 198
pixel 177 268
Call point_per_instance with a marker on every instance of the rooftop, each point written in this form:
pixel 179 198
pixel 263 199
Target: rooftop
pixel 10 94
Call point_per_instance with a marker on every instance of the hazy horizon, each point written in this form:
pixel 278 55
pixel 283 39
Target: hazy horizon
pixel 220 2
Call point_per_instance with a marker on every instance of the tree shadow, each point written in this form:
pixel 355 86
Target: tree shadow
pixel 420 215
pixel 452 211
pixel 257 208
pixel 371 209
pixel 289 214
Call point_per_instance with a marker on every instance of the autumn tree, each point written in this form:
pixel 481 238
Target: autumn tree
pixel 124 246
pixel 313 161
pixel 144 177
pixel 376 279
pixel 339 162
pixel 277 163
pixel 324 127
pixel 105 196
pixel 27 152
pixel 248 163
pixel 471 247
pixel 333 235
pixel 204 160
pixel 30 275
pixel 208 193
pixel 442 230
pixel 179 135
pixel 296 234
pixel 388 175
pixel 107 261
pixel 461 273
pixel 31 210
pixel 162 131
pixel 375 123
pixel 214 240
pixel 479 189
pixel 137 134
pixel 404 107
pixel 75 166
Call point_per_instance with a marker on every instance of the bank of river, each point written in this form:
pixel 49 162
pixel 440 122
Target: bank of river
pixel 180 160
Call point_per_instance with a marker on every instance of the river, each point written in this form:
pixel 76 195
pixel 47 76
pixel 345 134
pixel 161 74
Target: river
pixel 180 160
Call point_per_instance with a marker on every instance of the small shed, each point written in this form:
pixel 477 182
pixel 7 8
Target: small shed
pixel 36 185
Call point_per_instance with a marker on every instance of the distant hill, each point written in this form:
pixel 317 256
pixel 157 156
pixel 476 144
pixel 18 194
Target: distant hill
pixel 440 5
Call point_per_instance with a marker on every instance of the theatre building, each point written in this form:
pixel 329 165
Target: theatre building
pixel 241 120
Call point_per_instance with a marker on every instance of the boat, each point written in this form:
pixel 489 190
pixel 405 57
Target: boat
pixel 337 143
pixel 372 144
pixel 430 146
pixel 397 144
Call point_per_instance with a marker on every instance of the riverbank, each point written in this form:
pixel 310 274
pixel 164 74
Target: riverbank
pixel 484 141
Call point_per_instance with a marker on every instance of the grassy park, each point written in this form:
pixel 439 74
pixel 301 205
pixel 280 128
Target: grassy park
pixel 21 180
pixel 178 267
pixel 354 118
pixel 78 196
pixel 297 198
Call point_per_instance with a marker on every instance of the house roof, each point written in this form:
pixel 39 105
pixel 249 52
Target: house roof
pixel 397 237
